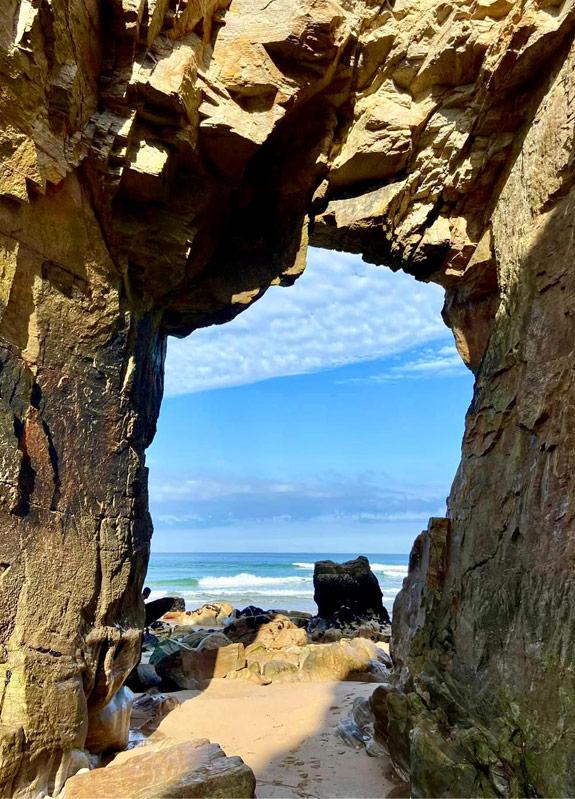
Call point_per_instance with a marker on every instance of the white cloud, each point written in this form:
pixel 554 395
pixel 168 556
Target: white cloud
pixel 339 312
pixel 207 501
pixel 431 362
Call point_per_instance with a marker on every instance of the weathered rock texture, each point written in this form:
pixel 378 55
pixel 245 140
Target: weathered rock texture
pixel 163 163
pixel 166 769
pixel 347 589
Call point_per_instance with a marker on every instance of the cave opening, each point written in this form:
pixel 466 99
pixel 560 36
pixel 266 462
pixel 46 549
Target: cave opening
pixel 322 422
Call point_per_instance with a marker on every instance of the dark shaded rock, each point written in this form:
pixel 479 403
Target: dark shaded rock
pixel 188 669
pixel 346 592
pixel 156 609
pixel 245 628
pixel 251 610
pixel 149 709
pixel 143 677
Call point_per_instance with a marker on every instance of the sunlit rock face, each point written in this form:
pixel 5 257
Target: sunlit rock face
pixel 163 163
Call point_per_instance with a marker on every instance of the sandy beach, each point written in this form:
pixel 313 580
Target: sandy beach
pixel 288 734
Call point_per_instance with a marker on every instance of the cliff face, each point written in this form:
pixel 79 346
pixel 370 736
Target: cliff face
pixel 163 163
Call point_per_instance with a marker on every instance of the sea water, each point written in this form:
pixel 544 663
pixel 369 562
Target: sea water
pixel 268 580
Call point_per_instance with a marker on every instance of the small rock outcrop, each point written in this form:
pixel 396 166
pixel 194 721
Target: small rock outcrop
pixel 267 647
pixel 347 592
pixel 164 770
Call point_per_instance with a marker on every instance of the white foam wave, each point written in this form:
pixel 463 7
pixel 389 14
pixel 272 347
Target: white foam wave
pixel 391 569
pixel 245 594
pixel 246 580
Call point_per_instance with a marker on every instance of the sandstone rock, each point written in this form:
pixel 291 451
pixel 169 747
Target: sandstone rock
pixel 109 727
pixel 164 770
pixel 351 587
pixel 245 629
pixel 280 671
pixel 149 709
pixel 251 674
pixel 191 668
pixel 214 614
pixel 213 641
pixel 345 660
pixel 256 653
pixel 280 634
pixel 160 171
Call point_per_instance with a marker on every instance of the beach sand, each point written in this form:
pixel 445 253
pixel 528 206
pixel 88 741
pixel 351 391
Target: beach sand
pixel 288 734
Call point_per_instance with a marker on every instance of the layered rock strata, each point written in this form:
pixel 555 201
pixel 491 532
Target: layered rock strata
pixel 163 163
pixel 165 769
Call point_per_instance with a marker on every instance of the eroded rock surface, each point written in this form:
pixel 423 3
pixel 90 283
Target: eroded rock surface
pixel 163 163
pixel 166 769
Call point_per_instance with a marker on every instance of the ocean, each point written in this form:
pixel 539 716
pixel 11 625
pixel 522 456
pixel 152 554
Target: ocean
pixel 268 580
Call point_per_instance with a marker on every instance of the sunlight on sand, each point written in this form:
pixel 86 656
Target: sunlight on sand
pixel 288 734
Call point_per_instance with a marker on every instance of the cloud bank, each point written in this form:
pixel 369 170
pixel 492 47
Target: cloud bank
pixel 197 501
pixel 341 311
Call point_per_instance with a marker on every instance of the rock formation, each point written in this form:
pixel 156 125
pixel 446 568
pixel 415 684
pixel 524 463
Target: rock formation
pixel 166 769
pixel 347 591
pixel 163 163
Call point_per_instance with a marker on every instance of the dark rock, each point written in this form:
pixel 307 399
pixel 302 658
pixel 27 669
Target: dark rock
pixel 149 641
pixel 189 669
pixel 251 610
pixel 346 592
pixel 149 709
pixel 143 677
pixel 156 609
pixel 245 629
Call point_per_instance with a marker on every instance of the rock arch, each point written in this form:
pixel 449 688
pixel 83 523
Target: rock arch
pixel 163 163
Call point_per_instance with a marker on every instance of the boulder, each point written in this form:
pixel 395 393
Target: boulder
pixel 347 659
pixel 280 634
pixel 213 641
pixel 213 614
pixel 256 653
pixel 250 674
pixel 251 610
pixel 149 709
pixel 109 727
pixel 357 659
pixel 189 669
pixel 280 671
pixel 164 770
pixel 299 618
pixel 157 608
pixel 347 590
pixel 245 629
pixel 143 677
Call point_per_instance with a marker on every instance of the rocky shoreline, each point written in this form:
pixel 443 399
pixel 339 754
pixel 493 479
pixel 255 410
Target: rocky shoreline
pixel 186 650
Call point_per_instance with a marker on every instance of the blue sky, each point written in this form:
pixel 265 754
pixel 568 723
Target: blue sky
pixel 326 417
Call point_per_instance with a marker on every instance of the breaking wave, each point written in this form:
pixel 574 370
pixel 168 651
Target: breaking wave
pixel 392 569
pixel 245 579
